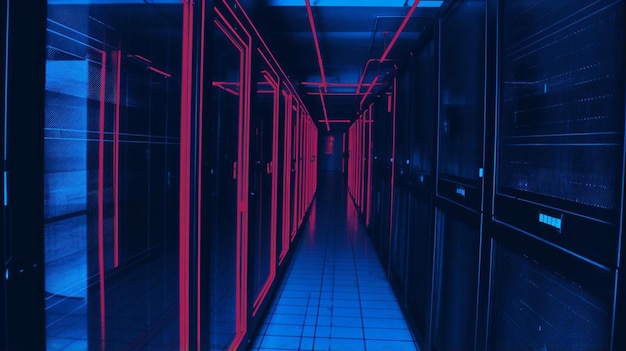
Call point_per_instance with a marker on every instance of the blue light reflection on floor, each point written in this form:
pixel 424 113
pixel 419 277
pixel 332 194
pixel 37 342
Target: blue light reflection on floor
pixel 335 295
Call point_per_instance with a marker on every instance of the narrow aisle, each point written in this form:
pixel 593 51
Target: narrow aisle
pixel 335 295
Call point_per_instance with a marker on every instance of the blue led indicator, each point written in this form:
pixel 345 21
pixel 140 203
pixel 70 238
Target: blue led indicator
pixel 6 196
pixel 555 222
pixel 460 191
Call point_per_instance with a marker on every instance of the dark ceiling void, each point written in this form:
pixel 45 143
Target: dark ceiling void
pixel 352 36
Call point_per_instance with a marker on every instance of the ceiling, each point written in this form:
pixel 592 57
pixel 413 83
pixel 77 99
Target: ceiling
pixel 350 33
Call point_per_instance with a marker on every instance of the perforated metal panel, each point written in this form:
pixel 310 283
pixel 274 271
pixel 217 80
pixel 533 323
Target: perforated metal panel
pixel 562 101
pixel 538 308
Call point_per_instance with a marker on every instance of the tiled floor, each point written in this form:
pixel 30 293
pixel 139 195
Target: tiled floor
pixel 335 295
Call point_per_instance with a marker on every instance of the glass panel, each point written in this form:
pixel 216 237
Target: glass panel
pixel 110 201
pixel 262 224
pixel 425 96
pixel 455 316
pixel 222 148
pixel 420 259
pixel 462 91
pixel 562 105
pixel 539 308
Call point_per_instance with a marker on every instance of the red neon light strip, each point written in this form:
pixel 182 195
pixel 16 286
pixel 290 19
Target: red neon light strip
pixel 274 166
pixel 154 69
pixel 393 167
pixel 116 160
pixel 222 85
pixel 296 141
pixel 139 57
pixel 268 62
pixel 185 172
pixel 369 90
pixel 200 160
pixel 324 109
pixel 360 84
pixel 343 161
pixel 334 121
pixel 400 29
pixel 339 85
pixel 103 73
pixel 286 177
pixel 369 168
pixel 317 45
pixel 333 94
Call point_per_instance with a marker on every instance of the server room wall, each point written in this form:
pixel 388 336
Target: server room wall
pixel 490 230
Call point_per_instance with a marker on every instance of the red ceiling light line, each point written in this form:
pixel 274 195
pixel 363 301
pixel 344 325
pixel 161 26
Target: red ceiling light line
pixel 319 61
pixel 367 93
pixel 333 94
pixel 391 44
pixel 336 121
pixel 324 109
pixel 346 85
pixel 361 84
pixel 317 44
pixel 400 29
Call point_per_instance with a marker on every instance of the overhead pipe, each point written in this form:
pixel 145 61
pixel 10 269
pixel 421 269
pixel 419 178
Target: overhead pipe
pixel 392 43
pixel 324 108
pixel 360 84
pixel 319 61
pixel 317 44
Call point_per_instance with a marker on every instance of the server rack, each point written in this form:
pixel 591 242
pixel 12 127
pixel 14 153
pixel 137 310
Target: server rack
pixel 558 176
pixel 460 167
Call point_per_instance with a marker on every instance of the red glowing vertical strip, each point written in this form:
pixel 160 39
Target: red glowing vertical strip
pixel 361 162
pixel 369 168
pixel 101 200
pixel 116 160
pixel 294 210
pixel 272 275
pixel 343 159
pixel 200 160
pixel 369 90
pixel 185 173
pixel 393 165
pixel 286 176
pixel 400 29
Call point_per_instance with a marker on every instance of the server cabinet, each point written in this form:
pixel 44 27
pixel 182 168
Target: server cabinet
pixel 381 178
pixel 423 119
pixel 460 165
pixel 558 196
pixel 263 182
pixel 545 298
pixel 461 103
pixel 420 246
pixel 561 123
pixel 227 150
pixel 456 278
pixel 287 167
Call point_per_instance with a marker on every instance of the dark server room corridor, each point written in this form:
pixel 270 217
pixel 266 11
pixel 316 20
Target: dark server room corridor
pixel 335 294
pixel 281 175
